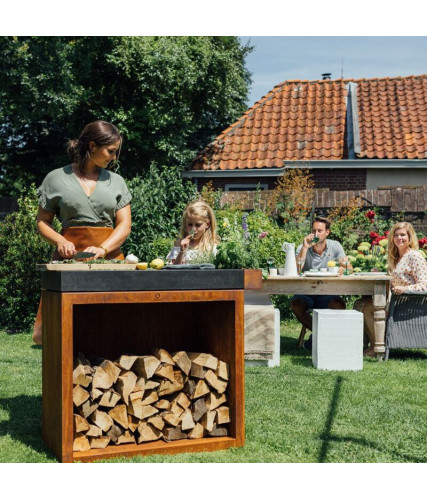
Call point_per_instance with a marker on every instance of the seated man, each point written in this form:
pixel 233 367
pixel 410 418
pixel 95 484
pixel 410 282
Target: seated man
pixel 315 253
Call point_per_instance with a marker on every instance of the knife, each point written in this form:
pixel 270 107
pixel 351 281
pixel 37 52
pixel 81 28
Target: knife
pixel 83 255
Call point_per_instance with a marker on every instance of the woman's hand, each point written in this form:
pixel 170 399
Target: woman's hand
pixel 66 249
pixel 99 252
pixel 399 289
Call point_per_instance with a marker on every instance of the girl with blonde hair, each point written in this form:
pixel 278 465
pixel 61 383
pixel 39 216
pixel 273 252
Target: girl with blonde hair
pixel 198 234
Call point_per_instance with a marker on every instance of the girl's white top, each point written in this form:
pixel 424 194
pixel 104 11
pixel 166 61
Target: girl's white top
pixel 411 271
pixel 189 256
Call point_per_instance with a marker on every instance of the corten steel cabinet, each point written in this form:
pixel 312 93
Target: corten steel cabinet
pixel 110 313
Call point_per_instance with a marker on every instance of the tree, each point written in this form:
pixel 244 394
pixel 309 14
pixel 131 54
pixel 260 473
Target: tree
pixel 169 96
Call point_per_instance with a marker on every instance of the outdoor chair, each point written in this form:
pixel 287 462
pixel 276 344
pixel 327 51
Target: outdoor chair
pixel 407 322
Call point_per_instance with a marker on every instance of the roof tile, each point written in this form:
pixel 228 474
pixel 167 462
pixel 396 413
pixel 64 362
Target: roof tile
pixel 302 119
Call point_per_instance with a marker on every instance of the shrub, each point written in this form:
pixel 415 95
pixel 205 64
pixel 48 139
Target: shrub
pixel 159 200
pixel 21 248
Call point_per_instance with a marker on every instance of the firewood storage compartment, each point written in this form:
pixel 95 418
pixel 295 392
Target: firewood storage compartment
pixel 107 314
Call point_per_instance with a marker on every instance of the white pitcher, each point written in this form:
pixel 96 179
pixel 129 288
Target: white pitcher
pixel 291 261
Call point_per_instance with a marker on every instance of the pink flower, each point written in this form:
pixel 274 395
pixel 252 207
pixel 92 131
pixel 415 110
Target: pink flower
pixel 370 214
pixel 263 234
pixel 373 235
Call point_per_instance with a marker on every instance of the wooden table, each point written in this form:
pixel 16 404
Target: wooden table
pixel 375 285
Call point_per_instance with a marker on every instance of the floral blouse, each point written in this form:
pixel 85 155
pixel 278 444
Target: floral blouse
pixel 411 272
pixel 191 255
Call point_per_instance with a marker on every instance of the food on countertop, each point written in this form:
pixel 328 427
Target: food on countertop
pixel 131 259
pixel 157 264
pixel 142 265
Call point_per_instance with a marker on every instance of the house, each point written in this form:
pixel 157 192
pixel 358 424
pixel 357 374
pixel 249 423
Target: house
pixel 353 134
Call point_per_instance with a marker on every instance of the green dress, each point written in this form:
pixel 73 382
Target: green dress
pixel 62 194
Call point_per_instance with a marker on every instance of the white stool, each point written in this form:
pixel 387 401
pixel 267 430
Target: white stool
pixel 337 339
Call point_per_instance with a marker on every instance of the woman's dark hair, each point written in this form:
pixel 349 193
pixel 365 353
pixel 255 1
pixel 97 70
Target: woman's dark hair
pixel 101 133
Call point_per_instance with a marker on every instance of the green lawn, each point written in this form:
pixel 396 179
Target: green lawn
pixel 294 413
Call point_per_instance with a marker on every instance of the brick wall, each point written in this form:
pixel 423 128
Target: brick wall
pixel 339 179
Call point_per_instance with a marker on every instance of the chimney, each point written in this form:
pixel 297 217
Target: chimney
pixel 326 76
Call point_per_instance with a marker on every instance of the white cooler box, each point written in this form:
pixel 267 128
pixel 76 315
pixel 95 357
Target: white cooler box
pixel 337 339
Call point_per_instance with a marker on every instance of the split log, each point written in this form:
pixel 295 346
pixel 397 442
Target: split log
pixel 183 361
pixel 157 422
pixel 102 420
pixel 140 385
pixel 197 431
pixel 173 433
pixel 223 370
pixel 163 356
pixel 110 399
pixel 187 421
pixel 136 396
pixel 151 384
pixel 218 384
pixel 115 432
pixel 80 395
pixel 223 415
pixel 176 409
pixel 101 379
pixel 141 411
pixel 165 371
pixel 96 393
pixel 133 423
pixel 208 420
pixel 111 368
pixel 150 397
pixel 126 437
pixel 94 431
pixel 99 442
pixel 197 371
pixel 147 433
pixel 87 408
pixel 200 390
pixel 199 409
pixel 163 404
pixel 168 387
pixel 190 387
pixel 119 415
pixel 204 359
pixel 81 443
pixel 126 361
pixel 213 400
pixel 148 411
pixel 82 375
pixel 218 431
pixel 170 418
pixel 146 366
pixel 135 408
pixel 125 385
pixel 182 400
pixel 80 424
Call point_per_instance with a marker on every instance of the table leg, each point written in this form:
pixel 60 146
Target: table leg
pixel 379 301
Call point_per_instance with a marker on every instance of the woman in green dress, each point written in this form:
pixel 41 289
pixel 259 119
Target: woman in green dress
pixel 91 203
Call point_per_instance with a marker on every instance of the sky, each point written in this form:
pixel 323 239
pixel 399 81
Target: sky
pixel 279 58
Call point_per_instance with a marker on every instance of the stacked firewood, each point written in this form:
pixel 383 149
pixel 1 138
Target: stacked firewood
pixel 137 399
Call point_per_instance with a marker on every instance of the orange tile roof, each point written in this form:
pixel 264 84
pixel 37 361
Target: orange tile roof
pixel 306 120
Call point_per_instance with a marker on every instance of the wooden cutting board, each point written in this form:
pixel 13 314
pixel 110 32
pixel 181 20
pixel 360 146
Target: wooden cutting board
pixel 80 266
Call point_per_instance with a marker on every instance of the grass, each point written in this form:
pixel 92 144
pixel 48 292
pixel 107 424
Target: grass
pixel 294 413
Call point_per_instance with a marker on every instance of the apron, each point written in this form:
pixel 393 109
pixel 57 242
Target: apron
pixel 83 237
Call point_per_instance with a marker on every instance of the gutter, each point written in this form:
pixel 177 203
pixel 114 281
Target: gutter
pixel 315 164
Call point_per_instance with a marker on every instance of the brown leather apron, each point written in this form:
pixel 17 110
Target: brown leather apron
pixel 86 236
pixel 83 237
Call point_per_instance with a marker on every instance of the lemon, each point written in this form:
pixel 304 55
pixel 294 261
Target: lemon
pixel 332 263
pixel 142 265
pixel 157 263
